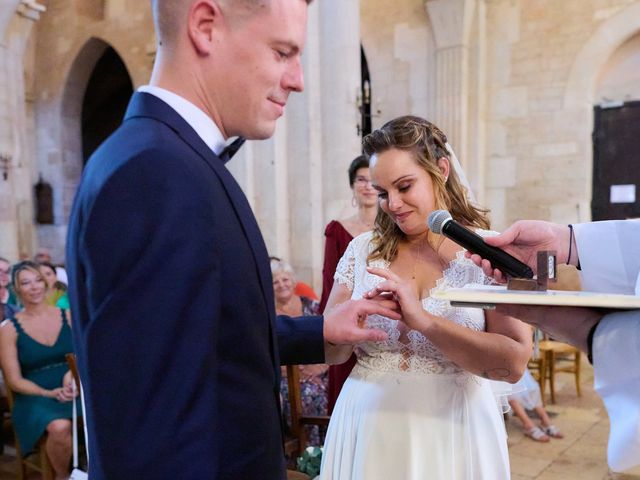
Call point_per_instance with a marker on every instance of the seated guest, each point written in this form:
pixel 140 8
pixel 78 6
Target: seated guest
pixel 7 304
pixel 527 395
pixel 42 255
pixel 33 345
pixel 302 289
pixel 313 378
pixel 57 291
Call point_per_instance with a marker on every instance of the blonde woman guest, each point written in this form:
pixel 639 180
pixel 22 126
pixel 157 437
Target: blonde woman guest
pixel 33 345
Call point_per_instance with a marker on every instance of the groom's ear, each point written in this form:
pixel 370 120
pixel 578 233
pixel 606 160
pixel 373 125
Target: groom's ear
pixel 444 166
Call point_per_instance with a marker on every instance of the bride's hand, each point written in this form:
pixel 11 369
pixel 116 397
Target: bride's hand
pixel 413 315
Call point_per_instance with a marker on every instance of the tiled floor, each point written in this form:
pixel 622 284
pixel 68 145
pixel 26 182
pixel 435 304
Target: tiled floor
pixel 581 455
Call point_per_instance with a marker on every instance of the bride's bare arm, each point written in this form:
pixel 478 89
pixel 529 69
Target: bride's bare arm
pixel 499 353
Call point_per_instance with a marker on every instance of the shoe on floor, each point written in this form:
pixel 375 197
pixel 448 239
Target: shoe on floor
pixel 553 431
pixel 537 434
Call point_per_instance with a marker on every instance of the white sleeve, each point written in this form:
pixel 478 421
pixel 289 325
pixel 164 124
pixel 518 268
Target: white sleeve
pixel 345 271
pixel 616 363
pixel 609 255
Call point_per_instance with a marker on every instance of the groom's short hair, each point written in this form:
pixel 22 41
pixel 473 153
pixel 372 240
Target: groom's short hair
pixel 168 15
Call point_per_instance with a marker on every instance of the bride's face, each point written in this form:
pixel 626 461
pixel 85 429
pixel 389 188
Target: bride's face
pixel 405 189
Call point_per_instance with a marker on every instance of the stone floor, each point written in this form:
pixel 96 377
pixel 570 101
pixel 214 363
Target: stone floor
pixel 581 455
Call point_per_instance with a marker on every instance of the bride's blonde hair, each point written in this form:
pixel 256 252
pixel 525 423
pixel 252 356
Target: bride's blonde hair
pixel 427 144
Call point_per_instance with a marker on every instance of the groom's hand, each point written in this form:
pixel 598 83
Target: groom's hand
pixel 344 326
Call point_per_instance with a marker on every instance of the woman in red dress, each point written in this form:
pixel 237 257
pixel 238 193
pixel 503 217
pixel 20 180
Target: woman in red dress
pixel 338 234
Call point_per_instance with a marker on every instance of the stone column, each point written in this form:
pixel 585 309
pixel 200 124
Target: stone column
pixel 297 180
pixel 16 127
pixel 7 9
pixel 305 156
pixel 340 83
pixel 451 21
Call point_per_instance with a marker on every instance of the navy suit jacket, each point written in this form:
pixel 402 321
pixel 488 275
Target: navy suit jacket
pixel 174 321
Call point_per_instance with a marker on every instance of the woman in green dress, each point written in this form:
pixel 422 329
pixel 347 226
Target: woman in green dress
pixel 33 345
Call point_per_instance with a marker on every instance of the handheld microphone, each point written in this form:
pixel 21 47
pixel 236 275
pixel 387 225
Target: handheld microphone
pixel 440 222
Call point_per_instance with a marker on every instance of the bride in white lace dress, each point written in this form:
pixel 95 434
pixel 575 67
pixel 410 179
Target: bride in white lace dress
pixel 420 405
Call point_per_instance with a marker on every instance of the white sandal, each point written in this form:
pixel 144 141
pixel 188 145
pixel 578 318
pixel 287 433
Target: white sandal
pixel 537 434
pixel 553 431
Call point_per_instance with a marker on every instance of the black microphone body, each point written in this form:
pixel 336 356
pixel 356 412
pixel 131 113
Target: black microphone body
pixel 475 244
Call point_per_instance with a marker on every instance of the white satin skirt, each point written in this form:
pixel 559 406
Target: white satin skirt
pixel 406 426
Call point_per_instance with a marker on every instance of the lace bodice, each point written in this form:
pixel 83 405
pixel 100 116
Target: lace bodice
pixel 405 349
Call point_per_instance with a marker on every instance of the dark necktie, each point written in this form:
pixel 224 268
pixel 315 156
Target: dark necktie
pixel 231 149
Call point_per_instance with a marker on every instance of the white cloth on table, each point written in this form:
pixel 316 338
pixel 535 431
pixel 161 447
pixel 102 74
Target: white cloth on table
pixel 406 411
pixel 609 255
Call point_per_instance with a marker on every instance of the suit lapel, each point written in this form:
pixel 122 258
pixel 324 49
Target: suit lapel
pixel 147 105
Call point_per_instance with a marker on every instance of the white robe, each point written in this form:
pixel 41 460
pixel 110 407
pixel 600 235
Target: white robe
pixel 609 255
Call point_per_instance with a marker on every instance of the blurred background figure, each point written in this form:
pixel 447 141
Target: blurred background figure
pixel 8 305
pixel 56 290
pixel 42 255
pixel 33 345
pixel 313 378
pixel 338 234
pixel 302 289
pixel 527 396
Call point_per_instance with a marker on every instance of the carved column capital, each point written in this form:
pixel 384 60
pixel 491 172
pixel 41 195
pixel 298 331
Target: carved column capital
pixel 451 21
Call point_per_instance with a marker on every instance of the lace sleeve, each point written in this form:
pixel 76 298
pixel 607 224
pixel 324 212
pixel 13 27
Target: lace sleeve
pixel 462 271
pixel 345 271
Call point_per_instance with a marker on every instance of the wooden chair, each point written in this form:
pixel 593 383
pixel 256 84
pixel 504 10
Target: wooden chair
pixel 38 460
pixel 538 368
pixel 73 367
pixel 296 441
pixel 295 475
pixel 560 357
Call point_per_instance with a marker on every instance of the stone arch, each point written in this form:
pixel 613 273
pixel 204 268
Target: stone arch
pixel 581 87
pixel 619 78
pixel 73 94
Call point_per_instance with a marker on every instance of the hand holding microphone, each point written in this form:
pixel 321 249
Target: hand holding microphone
pixel 441 222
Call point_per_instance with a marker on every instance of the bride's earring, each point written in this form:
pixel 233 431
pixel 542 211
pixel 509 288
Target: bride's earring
pixel 354 202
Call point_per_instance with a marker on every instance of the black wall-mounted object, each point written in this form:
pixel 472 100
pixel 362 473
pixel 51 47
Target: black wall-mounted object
pixel 44 202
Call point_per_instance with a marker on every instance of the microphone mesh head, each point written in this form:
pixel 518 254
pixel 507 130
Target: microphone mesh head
pixel 437 218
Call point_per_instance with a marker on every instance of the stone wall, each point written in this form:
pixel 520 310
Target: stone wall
pixel 544 58
pixel 512 82
pixel 398 41
pixel 71 37
pixel 17 150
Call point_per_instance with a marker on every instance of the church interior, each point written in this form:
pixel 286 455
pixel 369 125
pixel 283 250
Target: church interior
pixel 539 98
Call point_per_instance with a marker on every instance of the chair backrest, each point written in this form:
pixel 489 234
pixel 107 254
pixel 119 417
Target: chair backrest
pixel 73 366
pixel 296 444
pixel 41 463
pixel 557 355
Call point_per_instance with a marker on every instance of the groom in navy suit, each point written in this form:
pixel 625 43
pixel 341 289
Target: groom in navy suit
pixel 178 345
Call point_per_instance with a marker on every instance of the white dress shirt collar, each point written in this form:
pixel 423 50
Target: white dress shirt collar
pixel 204 126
